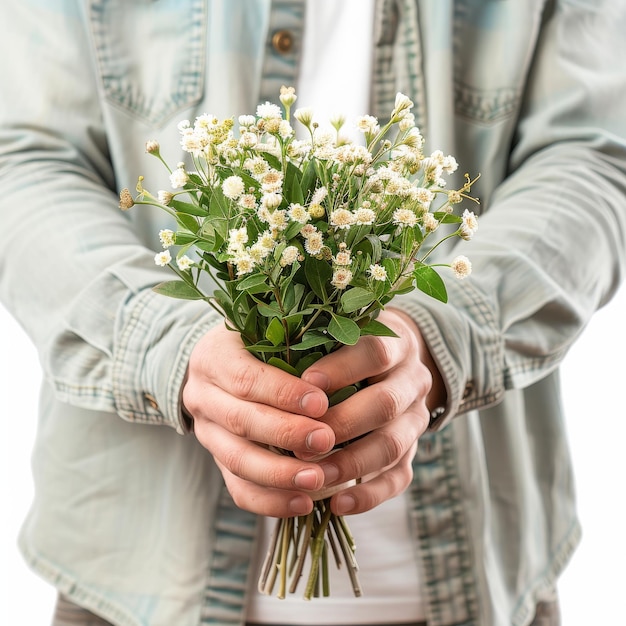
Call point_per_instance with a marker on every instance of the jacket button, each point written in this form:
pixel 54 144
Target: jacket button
pixel 282 41
pixel 151 401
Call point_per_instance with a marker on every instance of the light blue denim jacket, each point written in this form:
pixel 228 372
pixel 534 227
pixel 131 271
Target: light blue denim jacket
pixel 130 516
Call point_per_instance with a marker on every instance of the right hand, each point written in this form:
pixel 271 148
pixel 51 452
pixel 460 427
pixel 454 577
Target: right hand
pixel 241 405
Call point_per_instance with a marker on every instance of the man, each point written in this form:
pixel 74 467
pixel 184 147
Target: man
pixel 141 522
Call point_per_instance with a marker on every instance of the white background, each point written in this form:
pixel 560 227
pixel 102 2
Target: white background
pixel 594 380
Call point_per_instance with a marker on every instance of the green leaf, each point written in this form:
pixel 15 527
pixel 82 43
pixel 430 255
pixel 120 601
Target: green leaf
pixel 183 239
pixel 408 239
pixel 447 218
pixel 312 339
pixel 307 360
pixel 188 222
pixel 268 310
pixel 356 298
pixel 219 212
pixel 179 289
pixel 275 332
pixel 309 178
pixel 428 281
pixel 318 274
pixel 342 394
pixel 378 329
pixel 293 190
pixel 344 330
pixel 283 365
pixel 250 282
pixel 188 208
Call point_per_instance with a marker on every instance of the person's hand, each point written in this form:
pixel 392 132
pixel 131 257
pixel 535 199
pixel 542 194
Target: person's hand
pixel 403 383
pixel 239 406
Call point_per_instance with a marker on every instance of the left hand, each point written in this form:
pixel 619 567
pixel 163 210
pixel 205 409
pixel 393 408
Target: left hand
pixel 403 382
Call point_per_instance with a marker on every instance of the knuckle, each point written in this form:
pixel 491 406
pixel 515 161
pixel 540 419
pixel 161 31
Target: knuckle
pixel 389 403
pixel 392 446
pixel 286 395
pixel 244 382
pixel 234 461
pixel 235 421
pixel 380 352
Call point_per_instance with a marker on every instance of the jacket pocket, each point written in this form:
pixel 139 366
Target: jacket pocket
pixel 150 54
pixel 494 42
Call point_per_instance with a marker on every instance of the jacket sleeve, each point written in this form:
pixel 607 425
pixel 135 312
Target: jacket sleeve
pixel 551 245
pixel 72 270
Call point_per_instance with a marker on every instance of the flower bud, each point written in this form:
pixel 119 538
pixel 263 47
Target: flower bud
pixel 126 200
pixel 153 147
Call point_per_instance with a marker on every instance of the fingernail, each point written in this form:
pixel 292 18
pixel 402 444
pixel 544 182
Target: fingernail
pixel 300 505
pixel 331 473
pixel 318 379
pixel 318 441
pixel 312 403
pixel 345 503
pixel 306 479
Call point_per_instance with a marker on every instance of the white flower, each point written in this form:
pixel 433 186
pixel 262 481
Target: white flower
pixel 318 195
pixel 237 238
pixel 304 116
pixel 289 255
pixel 342 218
pixel 268 111
pixel 152 147
pixel 244 263
pixel 257 166
pixel 407 122
pixel 167 238
pixel 182 125
pixel 461 267
pixel 341 278
pixel 246 121
pixel 424 196
pixel 298 213
pixel 247 201
pixel 278 220
pixel 367 124
pixel 469 225
pixel 449 164
pixel 343 257
pixel 162 258
pixel 414 139
pixel 248 140
pixel 402 102
pixel 272 181
pixel 205 121
pixel 431 223
pixel 285 130
pixel 271 200
pixel 179 177
pixel 165 197
pixel 184 263
pixel 377 272
pixel 363 216
pixel 404 217
pixel 287 96
pixel 266 241
pixel 314 243
pixel 233 187
pixel 337 120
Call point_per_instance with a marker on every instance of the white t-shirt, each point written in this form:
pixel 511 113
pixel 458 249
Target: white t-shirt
pixel 335 77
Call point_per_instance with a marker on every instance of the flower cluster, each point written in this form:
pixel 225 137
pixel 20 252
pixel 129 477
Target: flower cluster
pixel 306 239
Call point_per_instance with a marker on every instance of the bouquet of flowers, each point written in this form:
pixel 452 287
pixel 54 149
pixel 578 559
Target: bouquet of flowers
pixel 306 240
